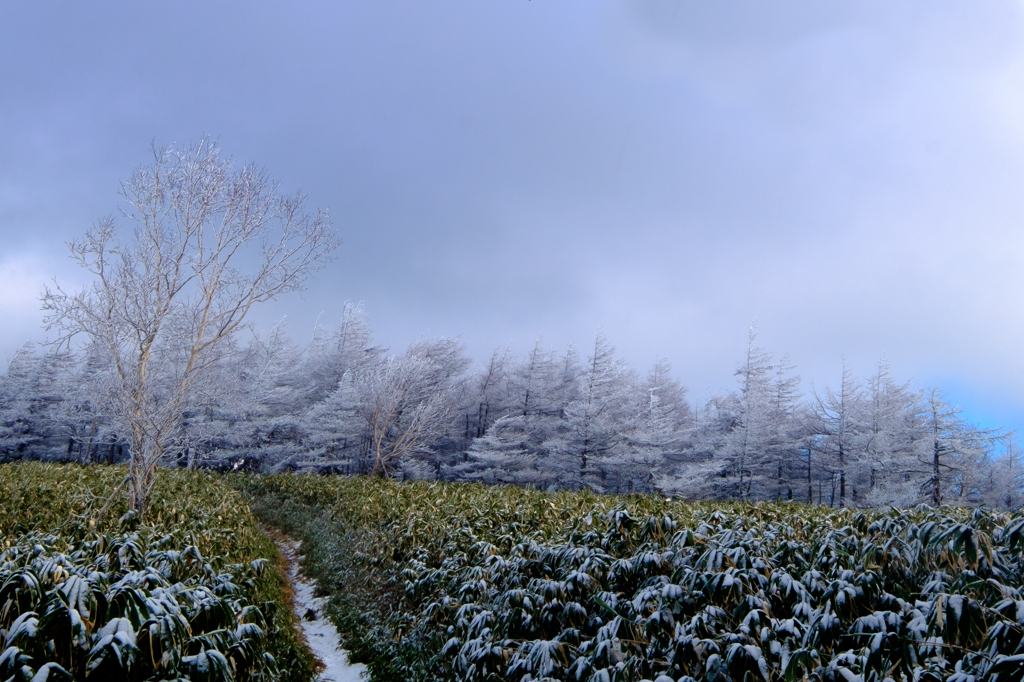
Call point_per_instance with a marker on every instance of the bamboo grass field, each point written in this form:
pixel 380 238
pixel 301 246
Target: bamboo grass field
pixel 192 595
pixel 442 581
pixel 435 581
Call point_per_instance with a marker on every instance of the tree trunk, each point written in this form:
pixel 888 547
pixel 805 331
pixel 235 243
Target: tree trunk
pixel 842 477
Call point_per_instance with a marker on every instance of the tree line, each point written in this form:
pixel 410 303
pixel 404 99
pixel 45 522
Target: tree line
pixel 343 404
pixel 150 365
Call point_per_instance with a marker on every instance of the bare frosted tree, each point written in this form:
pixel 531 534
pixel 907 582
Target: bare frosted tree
pixel 209 242
pixel 398 406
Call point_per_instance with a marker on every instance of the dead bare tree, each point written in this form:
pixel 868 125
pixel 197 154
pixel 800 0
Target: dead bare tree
pixel 210 241
pixel 403 403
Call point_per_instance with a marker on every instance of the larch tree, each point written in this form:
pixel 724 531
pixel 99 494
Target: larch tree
pixel 503 455
pixel 747 445
pixel 209 242
pixel 347 347
pixel 81 410
pixel 246 417
pixel 519 403
pixel 532 383
pixel 786 431
pixel 35 398
pixel 705 458
pixel 666 402
pixel 839 419
pixel 488 396
pixel 591 436
pixel 894 428
pixel 657 429
pixel 1005 485
pixel 954 451
pixel 16 396
pixel 540 389
pixel 272 372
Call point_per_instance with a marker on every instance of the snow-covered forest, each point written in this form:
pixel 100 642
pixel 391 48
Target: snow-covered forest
pixel 573 418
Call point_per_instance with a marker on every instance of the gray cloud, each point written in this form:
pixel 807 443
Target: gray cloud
pixel 847 175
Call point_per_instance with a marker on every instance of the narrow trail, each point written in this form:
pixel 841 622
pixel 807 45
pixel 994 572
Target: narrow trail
pixel 320 633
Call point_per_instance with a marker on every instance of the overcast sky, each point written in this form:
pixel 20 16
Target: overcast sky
pixel 849 176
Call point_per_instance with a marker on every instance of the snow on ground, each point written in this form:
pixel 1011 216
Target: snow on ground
pixel 320 633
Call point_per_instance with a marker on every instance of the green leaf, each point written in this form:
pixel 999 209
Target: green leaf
pixel 161 640
pixel 51 672
pixel 15 662
pixel 208 666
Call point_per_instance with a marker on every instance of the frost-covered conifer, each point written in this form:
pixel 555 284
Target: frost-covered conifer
pixel 587 448
pixel 841 428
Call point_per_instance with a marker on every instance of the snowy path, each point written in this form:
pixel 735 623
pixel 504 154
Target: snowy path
pixel 320 633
